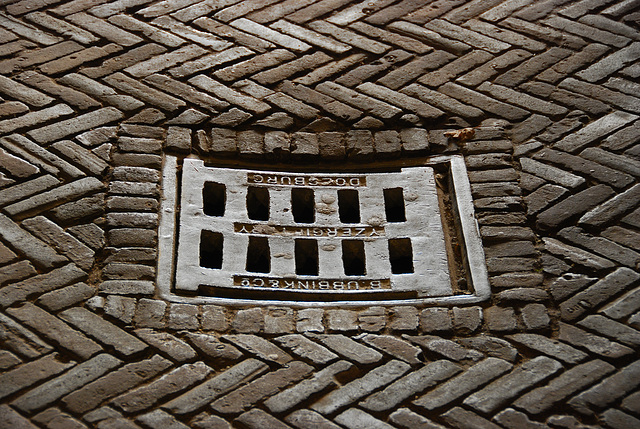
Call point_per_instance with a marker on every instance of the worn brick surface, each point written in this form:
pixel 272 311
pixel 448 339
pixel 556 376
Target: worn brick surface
pixel 539 98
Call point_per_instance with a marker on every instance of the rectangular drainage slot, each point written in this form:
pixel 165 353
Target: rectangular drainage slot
pixel 306 252
pixel 257 203
pixel 211 249
pixel 214 198
pixel 401 256
pixel 348 206
pixel 394 205
pixel 303 205
pixel 258 255
pixel 353 258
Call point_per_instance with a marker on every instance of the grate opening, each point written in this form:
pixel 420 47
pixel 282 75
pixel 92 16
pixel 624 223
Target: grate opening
pixel 394 205
pixel 258 255
pixel 211 249
pixel 353 258
pixel 401 255
pixel 306 252
pixel 303 205
pixel 214 198
pixel 349 206
pixel 257 203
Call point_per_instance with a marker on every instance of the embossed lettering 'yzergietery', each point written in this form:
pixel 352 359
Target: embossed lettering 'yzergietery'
pixel 304 284
pixel 299 231
pixel 293 180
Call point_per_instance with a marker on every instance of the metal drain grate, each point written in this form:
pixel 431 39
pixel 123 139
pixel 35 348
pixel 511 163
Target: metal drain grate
pixel 310 237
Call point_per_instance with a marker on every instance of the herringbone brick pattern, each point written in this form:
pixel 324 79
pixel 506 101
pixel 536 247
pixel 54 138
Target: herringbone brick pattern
pixel 93 92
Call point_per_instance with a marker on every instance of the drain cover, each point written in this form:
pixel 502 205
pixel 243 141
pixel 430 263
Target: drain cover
pixel 313 237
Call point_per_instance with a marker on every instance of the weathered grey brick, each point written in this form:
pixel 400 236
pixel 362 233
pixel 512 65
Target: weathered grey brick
pixel 103 331
pixel 234 97
pixel 215 387
pixel 576 254
pixel 623 306
pixel 429 37
pixel 602 246
pixel 176 348
pixel 49 199
pixel 411 384
pixel 78 376
pixel 55 330
pixel 474 377
pixel 66 296
pixel 499 392
pixel 90 396
pixel 444 347
pixel 435 320
pixel 31 373
pixel 574 205
pixel 361 387
pixel 42 283
pixel 260 347
pixel 310 320
pixel 610 328
pixel 267 385
pixel 214 348
pixel 550 347
pixel 349 348
pixel 63 242
pixel 127 59
pixel 395 347
pixel 359 101
pixel 307 349
pixel 248 321
pixel 17 271
pixel 150 313
pixel 24 93
pixel 127 287
pixel 147 396
pixel 39 156
pixel 608 390
pixel 570 381
pixel 594 343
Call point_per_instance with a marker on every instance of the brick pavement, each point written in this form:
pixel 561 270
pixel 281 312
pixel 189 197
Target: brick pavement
pixel 540 98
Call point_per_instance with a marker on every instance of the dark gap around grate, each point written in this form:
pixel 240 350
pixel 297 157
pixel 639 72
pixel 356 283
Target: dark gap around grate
pixel 257 203
pixel 306 254
pixel 258 255
pixel 353 258
pixel 211 249
pixel 349 206
pixel 401 255
pixel 214 198
pixel 303 205
pixel 394 205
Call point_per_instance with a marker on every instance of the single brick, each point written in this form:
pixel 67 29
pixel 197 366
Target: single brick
pixel 103 331
pixel 260 347
pixel 147 396
pixel 411 384
pixel 55 330
pixel 90 396
pixel 49 392
pixel 307 349
pixel 176 348
pixel 215 387
pixel 474 377
pixel 570 381
pixel 267 385
pixel 594 343
pixel 31 373
pixel 361 387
